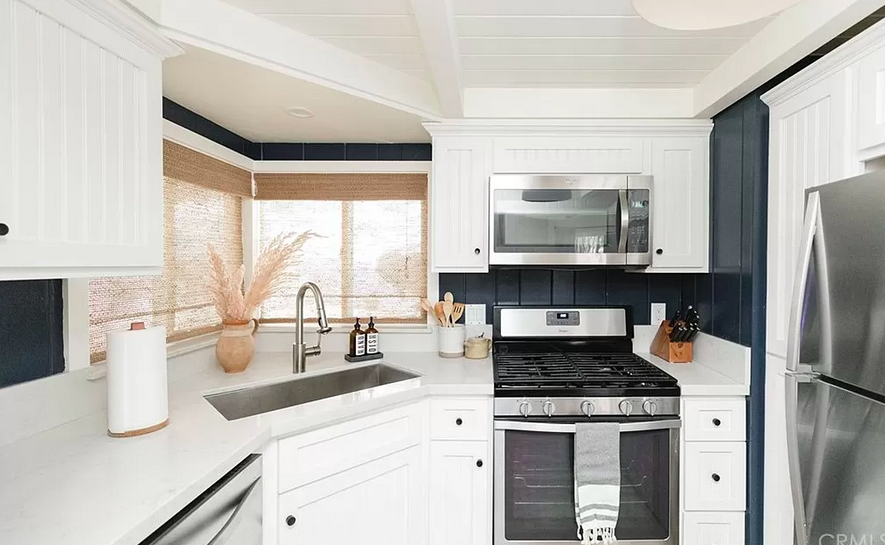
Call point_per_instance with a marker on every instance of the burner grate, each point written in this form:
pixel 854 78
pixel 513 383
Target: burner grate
pixel 577 370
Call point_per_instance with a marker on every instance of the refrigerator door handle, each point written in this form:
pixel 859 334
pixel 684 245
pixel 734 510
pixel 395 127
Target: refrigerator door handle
pixel 800 279
pixel 792 414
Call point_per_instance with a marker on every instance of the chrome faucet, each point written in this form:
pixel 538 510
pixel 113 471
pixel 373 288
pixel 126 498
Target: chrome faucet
pixel 300 350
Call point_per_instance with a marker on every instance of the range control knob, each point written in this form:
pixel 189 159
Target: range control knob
pixel 626 407
pixel 525 408
pixel 549 408
pixel 650 407
pixel 587 408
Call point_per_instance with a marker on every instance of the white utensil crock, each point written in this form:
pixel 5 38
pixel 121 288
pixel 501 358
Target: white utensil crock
pixel 451 341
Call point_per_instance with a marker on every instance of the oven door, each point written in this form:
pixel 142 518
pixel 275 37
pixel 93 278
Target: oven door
pixel 534 498
pixel 570 220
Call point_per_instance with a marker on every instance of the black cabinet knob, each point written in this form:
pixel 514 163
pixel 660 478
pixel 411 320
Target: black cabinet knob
pixel 717 422
pixel 476 251
pixel 716 477
pixel 4 229
pixel 479 463
pixel 458 422
pixel 659 251
pixel 290 520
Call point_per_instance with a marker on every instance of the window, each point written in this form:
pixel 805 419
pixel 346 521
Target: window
pixel 202 205
pixel 370 258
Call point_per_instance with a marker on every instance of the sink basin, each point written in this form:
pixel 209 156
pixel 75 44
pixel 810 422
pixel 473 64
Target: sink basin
pixel 271 397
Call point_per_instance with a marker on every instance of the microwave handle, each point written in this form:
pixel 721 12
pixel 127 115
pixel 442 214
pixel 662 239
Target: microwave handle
pixel 625 221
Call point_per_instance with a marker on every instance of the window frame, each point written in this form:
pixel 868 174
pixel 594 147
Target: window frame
pixel 76 290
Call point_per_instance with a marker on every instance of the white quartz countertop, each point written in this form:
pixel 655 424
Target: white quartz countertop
pixel 75 485
pixel 698 379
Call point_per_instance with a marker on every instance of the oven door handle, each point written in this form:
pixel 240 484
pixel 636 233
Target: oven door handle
pixel 544 427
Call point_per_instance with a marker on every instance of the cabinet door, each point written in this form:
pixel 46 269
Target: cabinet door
pixel 715 476
pixel 80 146
pixel 459 204
pixel 680 204
pixel 460 499
pixel 378 503
pixel 714 529
pixel 871 104
pixel 806 149
pixel 568 154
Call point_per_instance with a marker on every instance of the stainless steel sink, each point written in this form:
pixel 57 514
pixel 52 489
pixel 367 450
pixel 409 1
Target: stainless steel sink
pixel 245 402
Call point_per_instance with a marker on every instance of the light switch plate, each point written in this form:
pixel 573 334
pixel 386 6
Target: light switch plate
pixel 658 313
pixel 474 314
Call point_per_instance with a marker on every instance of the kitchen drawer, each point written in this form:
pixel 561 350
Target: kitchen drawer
pixel 700 528
pixel 715 476
pixel 715 418
pixel 317 454
pixel 461 419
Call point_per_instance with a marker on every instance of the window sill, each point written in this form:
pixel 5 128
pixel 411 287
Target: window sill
pixel 420 329
pixel 178 348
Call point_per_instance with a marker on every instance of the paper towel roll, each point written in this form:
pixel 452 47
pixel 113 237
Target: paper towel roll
pixel 137 392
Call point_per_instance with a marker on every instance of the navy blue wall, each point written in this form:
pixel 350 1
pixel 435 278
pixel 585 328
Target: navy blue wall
pixel 534 286
pixel 31 338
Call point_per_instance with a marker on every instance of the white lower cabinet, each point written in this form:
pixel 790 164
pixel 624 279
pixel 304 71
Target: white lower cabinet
pixel 460 493
pixel 377 503
pixel 713 529
pixel 715 476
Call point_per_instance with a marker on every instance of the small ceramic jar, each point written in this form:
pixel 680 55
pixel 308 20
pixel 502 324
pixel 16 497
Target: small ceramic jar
pixel 477 348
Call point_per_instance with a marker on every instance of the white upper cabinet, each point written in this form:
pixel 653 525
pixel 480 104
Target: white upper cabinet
pixel 680 204
pixel 871 104
pixel 568 155
pixel 80 140
pixel 459 204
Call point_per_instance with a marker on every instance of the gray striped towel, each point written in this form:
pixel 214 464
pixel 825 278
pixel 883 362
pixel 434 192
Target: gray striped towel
pixel 597 480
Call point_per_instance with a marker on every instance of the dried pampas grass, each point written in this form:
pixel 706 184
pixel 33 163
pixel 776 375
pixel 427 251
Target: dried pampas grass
pixel 231 302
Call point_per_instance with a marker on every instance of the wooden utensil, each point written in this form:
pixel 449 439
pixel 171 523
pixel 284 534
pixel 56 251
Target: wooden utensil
pixel 449 307
pixel 457 312
pixel 428 308
pixel 440 315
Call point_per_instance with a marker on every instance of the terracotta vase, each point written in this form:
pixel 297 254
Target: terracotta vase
pixel 236 346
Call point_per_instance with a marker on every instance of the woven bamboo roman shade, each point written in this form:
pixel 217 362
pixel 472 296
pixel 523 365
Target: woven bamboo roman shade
pixel 202 204
pixel 371 256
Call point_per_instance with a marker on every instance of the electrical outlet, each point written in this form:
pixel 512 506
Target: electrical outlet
pixel 474 314
pixel 658 313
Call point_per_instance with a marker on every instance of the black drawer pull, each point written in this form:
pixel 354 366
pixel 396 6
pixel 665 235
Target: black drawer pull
pixel 4 229
pixel 290 520
pixel 479 463
pixel 659 251
pixel 717 422
pixel 476 251
pixel 458 421
pixel 716 477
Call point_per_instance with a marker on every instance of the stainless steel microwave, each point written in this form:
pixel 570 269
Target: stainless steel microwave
pixel 594 219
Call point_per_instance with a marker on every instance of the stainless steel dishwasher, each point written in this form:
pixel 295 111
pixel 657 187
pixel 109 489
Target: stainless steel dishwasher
pixel 228 513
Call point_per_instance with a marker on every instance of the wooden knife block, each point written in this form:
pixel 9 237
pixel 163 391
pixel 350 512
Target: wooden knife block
pixel 670 351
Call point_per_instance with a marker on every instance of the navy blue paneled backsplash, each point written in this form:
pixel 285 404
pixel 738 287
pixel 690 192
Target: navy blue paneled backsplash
pixel 534 286
pixel 31 337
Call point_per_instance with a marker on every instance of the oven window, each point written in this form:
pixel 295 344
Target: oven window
pixel 556 221
pixel 539 497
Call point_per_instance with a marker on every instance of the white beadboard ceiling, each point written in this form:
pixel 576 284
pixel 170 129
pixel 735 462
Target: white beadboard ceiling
pixel 521 43
pixel 249 100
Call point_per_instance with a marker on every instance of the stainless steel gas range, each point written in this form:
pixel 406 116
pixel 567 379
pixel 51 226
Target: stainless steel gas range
pixel 555 367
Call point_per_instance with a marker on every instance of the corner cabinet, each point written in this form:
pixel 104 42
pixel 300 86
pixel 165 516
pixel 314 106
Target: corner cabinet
pixel 80 139
pixel 459 204
pixel 676 154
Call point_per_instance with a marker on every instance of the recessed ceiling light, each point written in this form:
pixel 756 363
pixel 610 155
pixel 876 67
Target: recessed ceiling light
pixel 298 111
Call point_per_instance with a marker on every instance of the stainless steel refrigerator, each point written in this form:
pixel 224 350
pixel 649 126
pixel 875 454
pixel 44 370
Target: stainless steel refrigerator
pixel 836 366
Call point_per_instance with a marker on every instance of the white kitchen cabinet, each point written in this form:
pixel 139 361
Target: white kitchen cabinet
pixel 376 503
pixel 715 476
pixel 460 505
pixel 80 140
pixel 715 418
pixel 871 101
pixel 715 528
pixel 568 154
pixel 680 204
pixel 459 204
pixel 777 525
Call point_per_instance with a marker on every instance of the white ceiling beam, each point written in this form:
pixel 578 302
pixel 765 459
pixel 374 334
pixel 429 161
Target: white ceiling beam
pixel 219 27
pixel 577 103
pixel 791 36
pixel 436 24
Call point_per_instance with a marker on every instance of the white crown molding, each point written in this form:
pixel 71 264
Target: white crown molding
pixel 572 127
pixel 846 54
pixel 196 142
pixel 131 23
